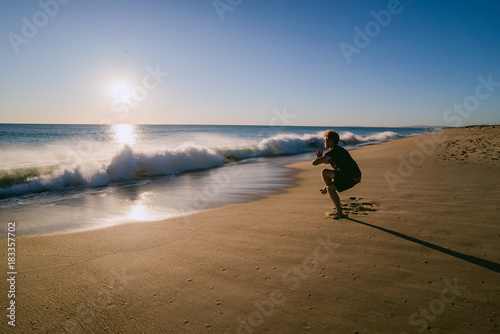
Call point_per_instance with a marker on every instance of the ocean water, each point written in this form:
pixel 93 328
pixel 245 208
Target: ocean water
pixel 64 178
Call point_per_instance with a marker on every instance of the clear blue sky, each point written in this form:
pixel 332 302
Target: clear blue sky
pixel 91 61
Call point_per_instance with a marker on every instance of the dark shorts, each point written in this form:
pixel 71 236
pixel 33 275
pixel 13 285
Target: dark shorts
pixel 343 182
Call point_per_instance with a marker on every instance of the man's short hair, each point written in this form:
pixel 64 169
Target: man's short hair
pixel 332 134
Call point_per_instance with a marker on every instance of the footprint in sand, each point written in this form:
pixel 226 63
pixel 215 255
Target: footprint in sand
pixel 354 206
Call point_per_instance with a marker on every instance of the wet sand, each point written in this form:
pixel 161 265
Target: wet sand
pixel 418 253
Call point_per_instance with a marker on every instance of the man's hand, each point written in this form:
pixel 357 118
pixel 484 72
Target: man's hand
pixel 320 158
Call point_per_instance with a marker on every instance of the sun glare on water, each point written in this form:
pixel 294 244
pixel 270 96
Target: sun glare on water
pixel 139 212
pixel 124 134
pixel 140 209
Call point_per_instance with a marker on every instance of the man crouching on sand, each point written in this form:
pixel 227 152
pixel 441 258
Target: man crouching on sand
pixel 345 173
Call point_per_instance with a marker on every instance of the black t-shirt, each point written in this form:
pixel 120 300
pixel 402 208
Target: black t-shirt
pixel 342 161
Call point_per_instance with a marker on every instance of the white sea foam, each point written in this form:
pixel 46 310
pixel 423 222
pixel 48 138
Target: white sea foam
pixel 141 162
pixel 349 138
pixel 126 165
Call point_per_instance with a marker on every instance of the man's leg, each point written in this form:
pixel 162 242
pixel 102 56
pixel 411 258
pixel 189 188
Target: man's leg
pixel 335 198
pixel 327 175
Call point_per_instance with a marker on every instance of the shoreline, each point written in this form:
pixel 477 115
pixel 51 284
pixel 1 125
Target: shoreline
pixel 278 264
pixel 184 211
pixel 111 215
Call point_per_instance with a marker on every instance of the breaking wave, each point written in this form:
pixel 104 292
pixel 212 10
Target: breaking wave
pixel 129 164
pixel 124 166
pixel 349 138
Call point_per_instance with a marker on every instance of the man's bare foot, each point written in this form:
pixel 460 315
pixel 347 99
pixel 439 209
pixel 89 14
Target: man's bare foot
pixel 337 215
pixel 324 190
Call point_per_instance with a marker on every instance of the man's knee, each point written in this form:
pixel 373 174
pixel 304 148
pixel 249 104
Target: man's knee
pixel 331 188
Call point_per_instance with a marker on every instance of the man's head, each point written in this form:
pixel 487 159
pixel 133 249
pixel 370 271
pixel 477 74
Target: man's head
pixel 331 138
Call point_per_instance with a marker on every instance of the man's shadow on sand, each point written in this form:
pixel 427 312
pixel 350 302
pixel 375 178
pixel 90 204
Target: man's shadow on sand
pixel 472 259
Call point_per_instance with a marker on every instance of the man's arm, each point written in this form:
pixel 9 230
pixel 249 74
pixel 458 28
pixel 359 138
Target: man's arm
pixel 320 158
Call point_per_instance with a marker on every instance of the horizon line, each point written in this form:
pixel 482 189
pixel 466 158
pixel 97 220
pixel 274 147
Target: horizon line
pixel 213 124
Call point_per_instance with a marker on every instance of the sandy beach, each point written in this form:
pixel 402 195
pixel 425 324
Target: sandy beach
pixel 419 253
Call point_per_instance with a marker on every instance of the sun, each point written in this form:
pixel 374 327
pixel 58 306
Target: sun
pixel 122 92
